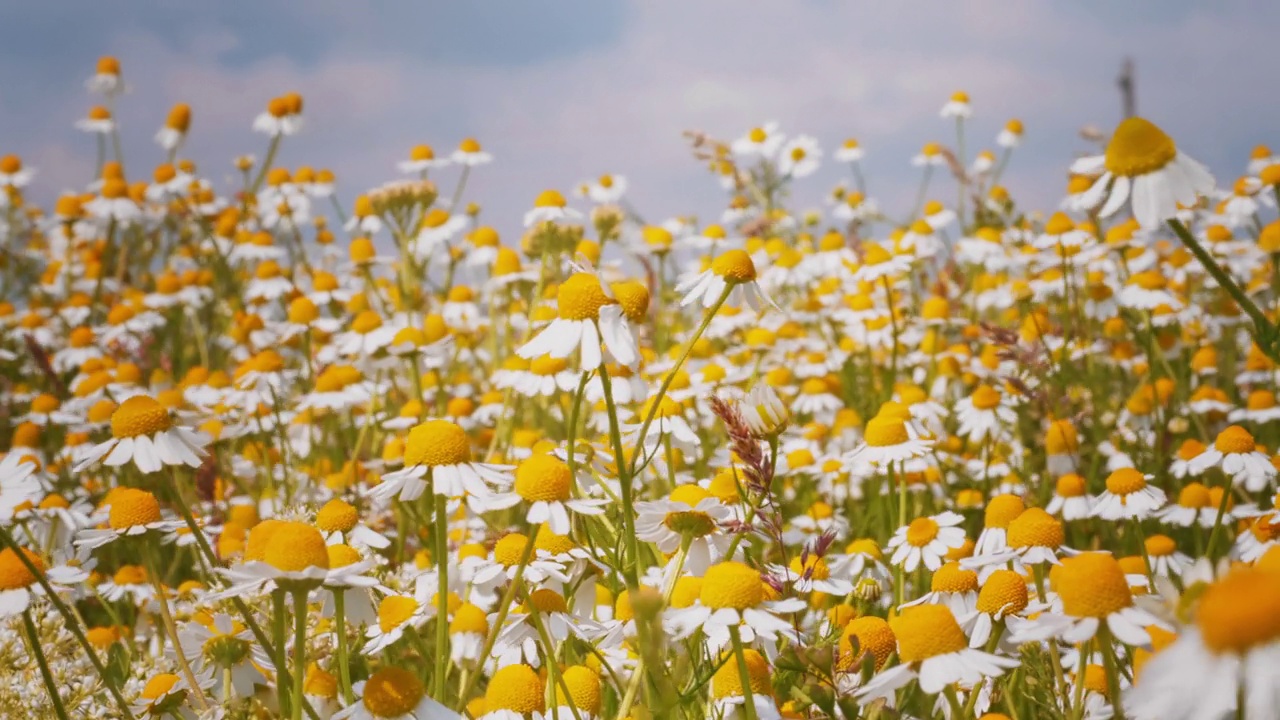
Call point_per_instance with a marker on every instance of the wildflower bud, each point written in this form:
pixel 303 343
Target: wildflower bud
pixel 867 589
pixel 764 411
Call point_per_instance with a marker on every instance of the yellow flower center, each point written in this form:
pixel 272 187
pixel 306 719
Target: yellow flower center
pixel 13 574
pixel 1160 545
pixel 922 531
pixel 342 555
pixel 543 477
pixel 549 198
pixel 727 682
pixel 392 692
pixel 336 516
pixel 1091 585
pixel 159 686
pixel 688 588
pixel 516 688
pixel 734 266
pixel 953 578
pixel 302 311
pixel 1138 147
pixel 509 549
pixel 985 397
pixel 1240 611
pixel 584 689
pixel 1125 481
pixel 366 322
pixel 1035 528
pixel 296 546
pixel 547 365
pixel 469 145
pixel 758 135
pixel 814 566
pixel 469 619
pixel 885 431
pixel 876 255
pixel 1234 440
pixel 873 635
pixel 580 297
pixel 926 631
pixel 1194 495
pixel 732 585
pixel 1061 438
pixel 81 337
pixel 545 600
pixel 131 507
pixel 437 442
pixel 1002 509
pixel 394 610
pixel 1070 485
pixel 139 415
pixel 633 297
pixel 1004 590
pixel 319 683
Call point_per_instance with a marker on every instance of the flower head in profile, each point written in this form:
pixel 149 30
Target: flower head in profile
pixel 732 275
pixel 1144 169
pixel 143 432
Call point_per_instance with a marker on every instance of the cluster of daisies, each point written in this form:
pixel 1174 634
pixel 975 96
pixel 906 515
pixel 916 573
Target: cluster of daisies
pixel 272 453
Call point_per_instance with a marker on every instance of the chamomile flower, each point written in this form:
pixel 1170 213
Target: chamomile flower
pixel 393 693
pixel 546 483
pixel 926 540
pixel 1226 654
pixel 932 648
pixel 441 450
pixel 586 317
pixel 143 432
pixel 732 275
pixel 1144 169
pixel 1092 589
pixel 1235 453
pixel 1128 496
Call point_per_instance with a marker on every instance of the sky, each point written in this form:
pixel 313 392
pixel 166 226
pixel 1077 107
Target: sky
pixel 561 91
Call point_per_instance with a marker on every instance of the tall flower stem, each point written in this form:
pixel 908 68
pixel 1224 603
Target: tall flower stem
pixel 744 674
pixel 1264 329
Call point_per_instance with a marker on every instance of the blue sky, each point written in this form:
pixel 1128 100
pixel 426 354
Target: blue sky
pixel 563 91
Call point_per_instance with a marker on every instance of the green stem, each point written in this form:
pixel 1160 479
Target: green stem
pixel 442 594
pixel 266 164
pixel 744 673
pixel 34 638
pixel 1265 330
pixel 299 650
pixel 344 672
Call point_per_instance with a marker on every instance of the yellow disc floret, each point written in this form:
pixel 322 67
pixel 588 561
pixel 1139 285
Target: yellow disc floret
pixel 926 631
pixel 131 507
pixel 139 415
pixel 732 585
pixel 516 688
pixel 392 692
pixel 543 478
pixel 1091 585
pixel 437 442
pixel 1138 147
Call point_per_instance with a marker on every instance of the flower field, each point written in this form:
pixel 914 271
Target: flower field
pixel 272 452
